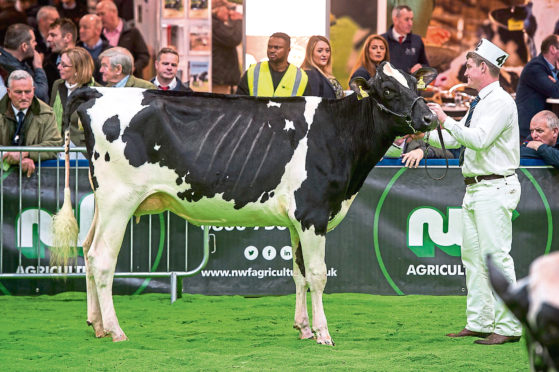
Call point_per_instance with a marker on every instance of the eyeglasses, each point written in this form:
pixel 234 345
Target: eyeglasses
pixel 64 65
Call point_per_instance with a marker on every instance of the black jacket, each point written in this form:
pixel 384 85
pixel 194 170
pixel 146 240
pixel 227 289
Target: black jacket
pixel 132 39
pixel 320 86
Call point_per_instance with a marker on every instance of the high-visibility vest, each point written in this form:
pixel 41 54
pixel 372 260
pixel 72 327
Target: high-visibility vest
pixel 293 82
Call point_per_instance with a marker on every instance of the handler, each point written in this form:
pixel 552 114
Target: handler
pixel 488 136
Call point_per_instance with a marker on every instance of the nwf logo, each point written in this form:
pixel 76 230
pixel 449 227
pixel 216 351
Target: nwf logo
pixel 428 228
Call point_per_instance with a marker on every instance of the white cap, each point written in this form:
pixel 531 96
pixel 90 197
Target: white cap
pixel 491 52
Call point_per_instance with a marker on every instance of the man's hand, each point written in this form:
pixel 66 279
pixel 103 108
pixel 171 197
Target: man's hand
pixel 552 79
pixel 438 110
pixel 37 60
pixel 415 67
pixel 411 159
pixel 27 165
pixel 534 145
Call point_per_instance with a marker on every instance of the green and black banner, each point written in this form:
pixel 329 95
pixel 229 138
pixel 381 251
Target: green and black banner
pixel 402 235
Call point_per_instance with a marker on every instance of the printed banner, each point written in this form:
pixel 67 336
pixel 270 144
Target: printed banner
pixel 402 235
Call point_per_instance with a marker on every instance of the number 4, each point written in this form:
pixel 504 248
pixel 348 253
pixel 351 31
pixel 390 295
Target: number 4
pixel 501 60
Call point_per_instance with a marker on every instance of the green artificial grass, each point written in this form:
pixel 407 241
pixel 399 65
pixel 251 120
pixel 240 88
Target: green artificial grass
pixel 219 333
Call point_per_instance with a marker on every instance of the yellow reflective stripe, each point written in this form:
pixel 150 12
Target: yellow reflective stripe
pixel 260 83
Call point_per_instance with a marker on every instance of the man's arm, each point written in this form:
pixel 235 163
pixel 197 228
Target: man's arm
pixel 242 88
pixel 40 78
pixel 549 154
pixel 49 136
pixel 538 79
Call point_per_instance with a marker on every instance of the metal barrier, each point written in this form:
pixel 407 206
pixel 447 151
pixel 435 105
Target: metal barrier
pixel 173 275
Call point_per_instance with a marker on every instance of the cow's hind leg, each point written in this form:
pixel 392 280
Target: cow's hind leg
pixel 102 262
pixel 301 315
pixel 313 247
pixel 94 318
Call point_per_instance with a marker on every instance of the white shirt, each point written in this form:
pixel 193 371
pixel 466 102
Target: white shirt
pixel 171 86
pixel 492 140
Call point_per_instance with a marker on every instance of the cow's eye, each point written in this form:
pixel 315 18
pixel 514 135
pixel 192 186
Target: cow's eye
pixel 387 92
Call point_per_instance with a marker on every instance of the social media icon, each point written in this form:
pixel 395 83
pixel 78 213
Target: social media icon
pixel 286 253
pixel 269 252
pixel 251 252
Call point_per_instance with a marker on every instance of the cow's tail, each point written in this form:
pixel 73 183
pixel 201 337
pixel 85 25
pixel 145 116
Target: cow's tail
pixel 64 224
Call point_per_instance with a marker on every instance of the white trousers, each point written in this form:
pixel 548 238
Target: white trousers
pixel 487 229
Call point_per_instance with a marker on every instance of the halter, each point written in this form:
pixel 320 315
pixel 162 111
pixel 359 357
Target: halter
pixel 406 117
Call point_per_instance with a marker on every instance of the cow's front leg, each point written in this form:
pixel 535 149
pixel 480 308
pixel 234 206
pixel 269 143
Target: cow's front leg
pixel 313 246
pixel 301 315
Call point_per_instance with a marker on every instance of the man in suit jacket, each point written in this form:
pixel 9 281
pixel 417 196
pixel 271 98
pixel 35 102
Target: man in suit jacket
pixel 538 82
pixel 166 67
pixel 119 33
pixel 116 68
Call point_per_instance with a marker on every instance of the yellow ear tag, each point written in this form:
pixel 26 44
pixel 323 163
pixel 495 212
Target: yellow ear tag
pixel 362 93
pixel 420 83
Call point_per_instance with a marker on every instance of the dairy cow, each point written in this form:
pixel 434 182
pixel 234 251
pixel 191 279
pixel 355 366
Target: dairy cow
pixel 222 160
pixel 534 300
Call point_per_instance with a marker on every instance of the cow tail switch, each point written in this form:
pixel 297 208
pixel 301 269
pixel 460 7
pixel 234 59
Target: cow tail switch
pixel 64 224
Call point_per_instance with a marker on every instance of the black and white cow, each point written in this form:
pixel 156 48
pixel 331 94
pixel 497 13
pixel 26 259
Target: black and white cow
pixel 221 160
pixel 534 300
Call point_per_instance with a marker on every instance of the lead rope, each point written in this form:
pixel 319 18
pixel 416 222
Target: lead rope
pixel 440 133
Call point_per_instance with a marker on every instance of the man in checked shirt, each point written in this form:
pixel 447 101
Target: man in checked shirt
pixel 489 136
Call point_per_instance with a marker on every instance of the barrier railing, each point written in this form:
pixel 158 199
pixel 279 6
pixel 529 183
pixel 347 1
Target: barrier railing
pixel 41 228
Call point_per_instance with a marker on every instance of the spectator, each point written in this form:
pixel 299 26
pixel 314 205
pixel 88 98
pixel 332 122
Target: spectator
pixel 375 50
pixel 489 134
pixel 407 51
pixel 62 35
pixel 166 67
pixel 318 66
pixel 227 33
pixel 116 68
pixel 76 70
pixel 30 8
pixel 538 81
pixel 45 17
pixel 19 44
pixel 543 144
pixel 275 77
pixel 118 33
pixel 26 121
pixel 72 9
pixel 9 15
pixel 91 40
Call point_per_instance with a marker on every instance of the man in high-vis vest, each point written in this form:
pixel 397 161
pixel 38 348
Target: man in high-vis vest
pixel 275 77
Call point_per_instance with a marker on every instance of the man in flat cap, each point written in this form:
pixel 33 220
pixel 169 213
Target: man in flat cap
pixel 488 138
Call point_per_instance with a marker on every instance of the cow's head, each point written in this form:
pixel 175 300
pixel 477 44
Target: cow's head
pixel 540 318
pixel 395 93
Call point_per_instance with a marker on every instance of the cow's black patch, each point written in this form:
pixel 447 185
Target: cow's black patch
pixel 107 157
pixel 235 146
pixel 179 181
pixel 299 259
pixel 264 197
pixel 96 155
pixel 111 128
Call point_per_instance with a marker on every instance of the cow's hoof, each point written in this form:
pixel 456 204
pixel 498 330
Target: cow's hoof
pixel 101 333
pixel 306 334
pixel 119 338
pixel 328 342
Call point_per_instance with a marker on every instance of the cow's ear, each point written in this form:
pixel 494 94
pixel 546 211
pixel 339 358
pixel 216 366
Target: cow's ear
pixel 360 86
pixel 424 76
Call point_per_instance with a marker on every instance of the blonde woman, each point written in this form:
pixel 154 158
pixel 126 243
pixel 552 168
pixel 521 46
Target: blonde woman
pixel 76 69
pixel 318 66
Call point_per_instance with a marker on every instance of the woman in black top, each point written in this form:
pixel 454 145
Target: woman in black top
pixel 318 66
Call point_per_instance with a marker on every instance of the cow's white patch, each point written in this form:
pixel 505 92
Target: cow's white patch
pixel 274 104
pixel 390 71
pixel 310 108
pixel 156 147
pixel 288 125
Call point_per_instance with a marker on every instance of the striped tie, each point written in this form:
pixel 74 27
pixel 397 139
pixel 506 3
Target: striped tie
pixel 467 125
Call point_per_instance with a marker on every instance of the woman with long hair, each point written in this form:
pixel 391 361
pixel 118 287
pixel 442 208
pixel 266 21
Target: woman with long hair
pixel 374 51
pixel 76 69
pixel 318 66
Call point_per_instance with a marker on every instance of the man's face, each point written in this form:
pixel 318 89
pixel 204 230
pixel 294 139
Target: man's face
pixel 30 46
pixel 277 50
pixel 107 15
pixel 21 93
pixel 404 22
pixel 539 130
pixel 110 74
pixel 473 73
pixel 55 40
pixel 88 32
pixel 167 66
